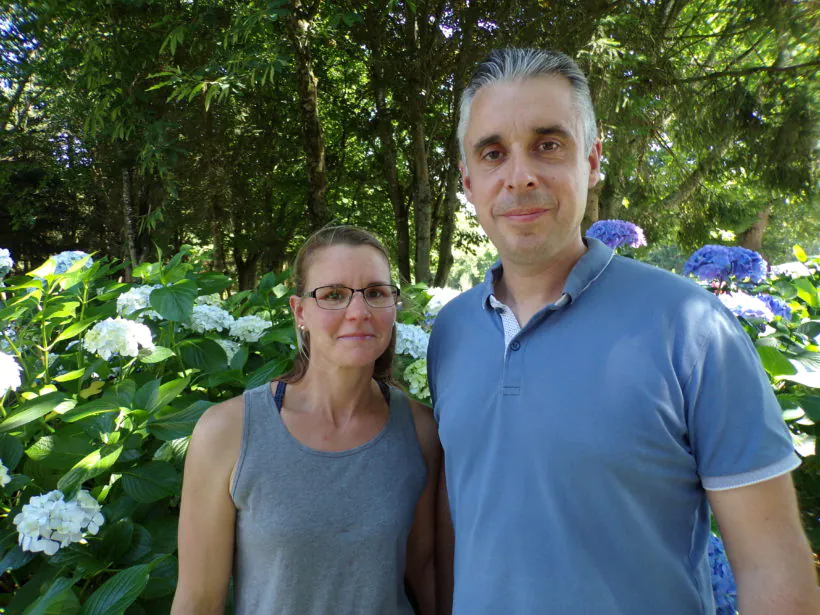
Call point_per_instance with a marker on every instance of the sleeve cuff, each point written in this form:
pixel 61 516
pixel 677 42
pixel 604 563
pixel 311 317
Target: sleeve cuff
pixel 721 483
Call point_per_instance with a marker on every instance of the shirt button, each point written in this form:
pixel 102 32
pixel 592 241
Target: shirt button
pixel 515 346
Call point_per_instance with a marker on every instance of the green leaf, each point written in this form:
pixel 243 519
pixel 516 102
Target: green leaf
pixel 807 292
pixel 163 534
pixel 202 354
pixel 175 302
pixel 58 599
pixel 179 424
pixel 799 253
pixel 774 361
pixel 60 451
pixel 157 355
pixel 11 451
pixel 90 466
pixel 163 580
pixel 140 546
pixel 75 329
pixel 213 282
pixel 239 359
pixel 92 408
pixel 34 409
pixel 78 559
pixel 811 406
pixel 807 379
pixel 266 373
pixel 151 482
pixel 173 451
pixel 14 559
pixel 69 376
pixel 115 540
pixel 147 394
pixel 118 592
pixel 167 393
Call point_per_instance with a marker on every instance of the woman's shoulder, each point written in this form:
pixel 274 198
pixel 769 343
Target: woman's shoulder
pixel 219 429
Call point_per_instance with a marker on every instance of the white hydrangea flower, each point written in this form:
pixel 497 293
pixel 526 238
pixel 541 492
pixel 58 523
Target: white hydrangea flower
pixel 230 347
pixel 416 377
pixel 212 299
pixel 411 340
pixel 210 318
pixel 49 522
pixel 118 336
pixel 64 260
pixel 5 479
pixel 6 262
pixel 794 269
pixel 439 297
pixel 138 298
pixel 9 374
pixel 249 328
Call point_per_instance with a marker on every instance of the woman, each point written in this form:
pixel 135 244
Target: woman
pixel 316 491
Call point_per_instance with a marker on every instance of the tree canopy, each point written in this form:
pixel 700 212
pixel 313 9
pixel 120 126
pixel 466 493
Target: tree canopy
pixel 240 126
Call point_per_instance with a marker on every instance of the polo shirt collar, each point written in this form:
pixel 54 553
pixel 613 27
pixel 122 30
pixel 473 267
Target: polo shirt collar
pixel 588 268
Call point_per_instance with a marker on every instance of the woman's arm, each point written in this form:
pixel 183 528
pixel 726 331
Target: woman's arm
pixel 421 545
pixel 207 513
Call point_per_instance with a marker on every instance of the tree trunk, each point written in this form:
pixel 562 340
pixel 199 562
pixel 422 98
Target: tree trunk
pixel 298 27
pixel 448 222
pixel 752 237
pixel 246 269
pixel 422 194
pixel 128 223
pixel 384 131
pixel 591 212
pixel 214 194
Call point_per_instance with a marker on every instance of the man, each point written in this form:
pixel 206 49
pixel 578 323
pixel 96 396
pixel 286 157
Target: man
pixel 593 408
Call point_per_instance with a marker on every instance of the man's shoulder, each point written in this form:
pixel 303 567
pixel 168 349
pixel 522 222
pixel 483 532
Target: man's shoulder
pixel 460 306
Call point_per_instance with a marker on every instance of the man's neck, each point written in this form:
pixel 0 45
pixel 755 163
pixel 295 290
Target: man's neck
pixel 528 289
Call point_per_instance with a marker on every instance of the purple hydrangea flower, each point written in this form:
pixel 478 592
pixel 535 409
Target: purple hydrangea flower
pixel 746 306
pixel 616 233
pixel 714 262
pixel 776 305
pixel 723 580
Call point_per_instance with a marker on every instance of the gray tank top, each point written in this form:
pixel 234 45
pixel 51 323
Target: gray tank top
pixel 323 533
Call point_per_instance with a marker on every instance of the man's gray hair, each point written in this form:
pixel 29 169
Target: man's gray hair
pixel 511 64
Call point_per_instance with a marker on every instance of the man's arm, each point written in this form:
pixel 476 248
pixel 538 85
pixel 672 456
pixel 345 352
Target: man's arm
pixel 770 556
pixel 445 548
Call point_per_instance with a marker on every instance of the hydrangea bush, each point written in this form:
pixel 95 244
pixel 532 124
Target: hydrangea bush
pixel 101 383
pixel 617 233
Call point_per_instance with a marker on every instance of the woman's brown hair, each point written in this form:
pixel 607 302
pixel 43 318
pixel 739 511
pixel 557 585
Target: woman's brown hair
pixel 345 235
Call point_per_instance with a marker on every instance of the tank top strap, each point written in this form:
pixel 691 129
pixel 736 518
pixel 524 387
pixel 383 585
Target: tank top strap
pixel 279 396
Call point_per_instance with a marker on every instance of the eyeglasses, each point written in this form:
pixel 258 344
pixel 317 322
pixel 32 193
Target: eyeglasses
pixel 339 297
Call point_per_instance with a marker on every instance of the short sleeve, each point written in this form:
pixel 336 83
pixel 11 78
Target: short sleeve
pixel 432 356
pixel 736 427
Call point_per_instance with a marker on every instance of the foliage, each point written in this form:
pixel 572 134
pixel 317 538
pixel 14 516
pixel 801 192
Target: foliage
pixel 96 416
pixel 781 314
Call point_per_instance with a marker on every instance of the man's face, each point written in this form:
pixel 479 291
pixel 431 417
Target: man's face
pixel 527 172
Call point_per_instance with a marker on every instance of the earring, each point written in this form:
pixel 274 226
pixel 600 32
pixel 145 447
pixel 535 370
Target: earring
pixel 302 328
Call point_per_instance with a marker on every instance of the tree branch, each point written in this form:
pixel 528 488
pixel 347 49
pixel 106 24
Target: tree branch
pixel 749 71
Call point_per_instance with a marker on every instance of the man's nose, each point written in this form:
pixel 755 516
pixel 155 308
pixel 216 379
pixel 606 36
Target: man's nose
pixel 522 176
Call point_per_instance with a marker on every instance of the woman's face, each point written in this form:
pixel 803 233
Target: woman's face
pixel 358 334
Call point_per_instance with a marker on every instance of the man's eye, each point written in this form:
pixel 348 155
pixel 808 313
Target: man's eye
pixel 548 146
pixel 492 155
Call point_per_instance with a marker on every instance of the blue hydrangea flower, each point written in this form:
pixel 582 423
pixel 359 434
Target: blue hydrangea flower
pixel 746 306
pixel 714 262
pixel 723 581
pixel 776 305
pixel 64 260
pixel 616 233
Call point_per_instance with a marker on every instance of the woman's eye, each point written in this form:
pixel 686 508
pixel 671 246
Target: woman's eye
pixel 376 293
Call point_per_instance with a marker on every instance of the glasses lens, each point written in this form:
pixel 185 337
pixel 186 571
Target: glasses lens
pixel 381 296
pixel 333 297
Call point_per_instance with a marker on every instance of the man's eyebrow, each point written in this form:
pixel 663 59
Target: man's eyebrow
pixel 484 142
pixel 555 131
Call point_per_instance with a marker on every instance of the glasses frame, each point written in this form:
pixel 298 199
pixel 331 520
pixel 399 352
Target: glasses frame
pixel 353 291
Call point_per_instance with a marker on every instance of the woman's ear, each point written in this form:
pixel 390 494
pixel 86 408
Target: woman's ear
pixel 297 309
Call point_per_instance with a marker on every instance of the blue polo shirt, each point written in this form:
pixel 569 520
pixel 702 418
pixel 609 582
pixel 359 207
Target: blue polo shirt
pixel 578 453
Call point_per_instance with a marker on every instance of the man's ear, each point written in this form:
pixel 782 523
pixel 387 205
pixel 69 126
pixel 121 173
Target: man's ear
pixel 594 159
pixel 465 180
